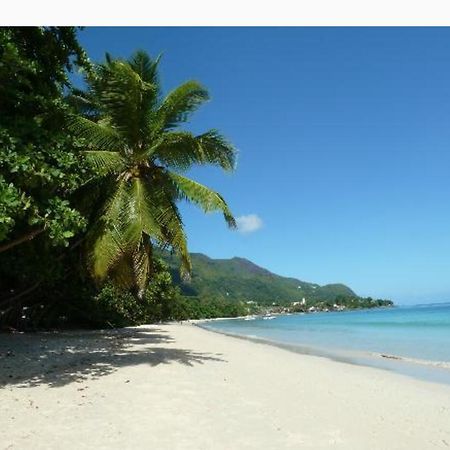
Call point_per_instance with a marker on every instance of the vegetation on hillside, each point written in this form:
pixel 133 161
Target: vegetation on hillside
pixel 239 279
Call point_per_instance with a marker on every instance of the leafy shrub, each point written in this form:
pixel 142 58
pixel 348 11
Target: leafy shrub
pixel 115 307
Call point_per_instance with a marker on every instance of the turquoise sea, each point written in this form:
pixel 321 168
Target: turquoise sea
pixel 413 340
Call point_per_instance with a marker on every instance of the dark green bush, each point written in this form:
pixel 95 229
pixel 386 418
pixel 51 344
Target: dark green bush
pixel 115 307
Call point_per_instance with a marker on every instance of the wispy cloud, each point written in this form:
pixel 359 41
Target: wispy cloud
pixel 249 223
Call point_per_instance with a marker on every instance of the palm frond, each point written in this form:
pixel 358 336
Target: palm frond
pixel 175 237
pixel 169 219
pixel 204 197
pixel 122 273
pixel 182 149
pixel 142 210
pixel 128 100
pixel 132 270
pixel 99 135
pixel 141 265
pixel 145 67
pixel 106 251
pixel 104 161
pixel 82 102
pixel 107 236
pixel 178 149
pixel 217 150
pixel 180 103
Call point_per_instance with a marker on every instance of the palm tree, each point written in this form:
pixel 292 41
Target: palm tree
pixel 132 138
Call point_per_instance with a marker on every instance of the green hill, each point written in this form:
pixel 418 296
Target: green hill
pixel 240 279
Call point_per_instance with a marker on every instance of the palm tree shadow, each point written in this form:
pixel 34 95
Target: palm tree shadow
pixel 57 359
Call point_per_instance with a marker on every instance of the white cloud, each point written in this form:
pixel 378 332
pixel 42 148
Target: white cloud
pixel 249 223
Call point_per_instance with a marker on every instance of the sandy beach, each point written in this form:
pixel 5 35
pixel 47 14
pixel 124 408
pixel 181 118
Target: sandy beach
pixel 181 387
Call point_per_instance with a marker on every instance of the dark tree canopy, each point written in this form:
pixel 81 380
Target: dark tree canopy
pixel 40 165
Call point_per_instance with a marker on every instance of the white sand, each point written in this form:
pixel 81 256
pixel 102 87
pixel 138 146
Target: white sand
pixel 181 387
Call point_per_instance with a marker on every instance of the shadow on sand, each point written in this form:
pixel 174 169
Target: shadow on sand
pixel 58 358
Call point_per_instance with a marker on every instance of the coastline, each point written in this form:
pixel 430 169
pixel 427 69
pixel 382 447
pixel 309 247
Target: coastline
pixel 180 386
pixel 424 370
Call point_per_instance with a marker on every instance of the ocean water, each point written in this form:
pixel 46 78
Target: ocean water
pixel 413 340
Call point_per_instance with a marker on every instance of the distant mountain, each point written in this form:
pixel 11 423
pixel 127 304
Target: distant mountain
pixel 241 279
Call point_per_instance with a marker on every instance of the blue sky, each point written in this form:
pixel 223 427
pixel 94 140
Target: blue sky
pixel 344 148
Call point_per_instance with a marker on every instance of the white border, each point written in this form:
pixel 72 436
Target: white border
pixel 227 13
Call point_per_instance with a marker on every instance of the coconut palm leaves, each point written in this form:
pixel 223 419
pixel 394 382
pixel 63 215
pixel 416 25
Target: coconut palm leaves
pixel 132 139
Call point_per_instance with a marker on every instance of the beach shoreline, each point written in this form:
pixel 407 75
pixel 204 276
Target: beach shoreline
pixel 424 370
pixel 180 386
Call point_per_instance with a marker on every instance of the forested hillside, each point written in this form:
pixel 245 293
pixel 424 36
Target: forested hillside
pixel 240 279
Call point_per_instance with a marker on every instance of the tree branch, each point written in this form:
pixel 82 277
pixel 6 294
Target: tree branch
pixel 27 237
pixel 22 293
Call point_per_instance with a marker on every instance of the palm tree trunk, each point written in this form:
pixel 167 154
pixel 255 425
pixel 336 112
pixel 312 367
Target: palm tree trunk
pixel 27 237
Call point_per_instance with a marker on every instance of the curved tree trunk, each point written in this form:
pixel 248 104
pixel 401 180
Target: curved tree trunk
pixel 27 237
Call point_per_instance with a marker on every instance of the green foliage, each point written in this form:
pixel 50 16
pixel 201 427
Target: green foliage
pixel 101 159
pixel 209 308
pixel 41 170
pixel 130 140
pixel 110 160
pixel 161 302
pixel 238 279
pixel 114 306
pixel 13 205
pixel 40 163
pixel 361 302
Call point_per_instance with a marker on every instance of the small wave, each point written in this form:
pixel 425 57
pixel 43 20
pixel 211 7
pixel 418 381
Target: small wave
pixel 423 362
